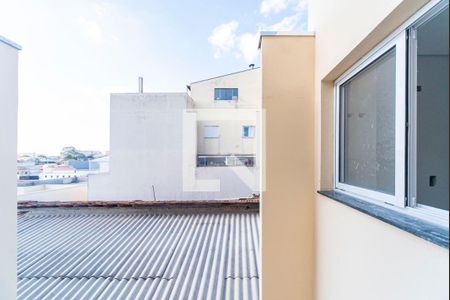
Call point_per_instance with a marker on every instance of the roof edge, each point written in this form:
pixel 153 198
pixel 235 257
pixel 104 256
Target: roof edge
pixel 135 203
pixel 10 43
pixel 228 74
pixel 283 33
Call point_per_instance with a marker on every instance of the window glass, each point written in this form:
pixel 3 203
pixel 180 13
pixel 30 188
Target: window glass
pixel 211 131
pixel 432 111
pixel 226 94
pixel 367 127
pixel 248 131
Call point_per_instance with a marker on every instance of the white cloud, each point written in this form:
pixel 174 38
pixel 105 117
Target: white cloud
pixel 288 23
pixel 296 21
pixel 273 6
pixel 92 29
pixel 223 38
pixel 248 46
pixel 302 5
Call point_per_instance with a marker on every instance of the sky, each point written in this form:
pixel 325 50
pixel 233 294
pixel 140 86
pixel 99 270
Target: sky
pixel 75 53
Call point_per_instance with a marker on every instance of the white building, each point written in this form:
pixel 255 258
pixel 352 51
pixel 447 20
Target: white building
pixel 58 172
pixel 100 164
pixel 8 160
pixel 159 142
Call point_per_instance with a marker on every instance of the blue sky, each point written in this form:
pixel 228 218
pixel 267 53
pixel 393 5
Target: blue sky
pixel 77 52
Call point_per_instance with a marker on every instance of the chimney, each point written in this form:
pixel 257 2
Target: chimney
pixel 141 85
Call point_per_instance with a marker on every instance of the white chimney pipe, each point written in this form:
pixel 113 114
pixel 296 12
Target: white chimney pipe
pixel 141 85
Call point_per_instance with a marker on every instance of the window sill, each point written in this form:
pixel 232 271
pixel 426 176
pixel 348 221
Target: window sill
pixel 431 232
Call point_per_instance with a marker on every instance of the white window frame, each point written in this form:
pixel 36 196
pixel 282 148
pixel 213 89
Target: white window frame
pixel 402 182
pixel 211 137
pixel 398 199
pixel 250 136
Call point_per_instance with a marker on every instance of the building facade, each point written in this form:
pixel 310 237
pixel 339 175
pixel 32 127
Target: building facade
pixel 8 156
pixel 362 210
pixel 227 107
pixel 165 146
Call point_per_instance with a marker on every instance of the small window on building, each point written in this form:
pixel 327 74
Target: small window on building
pixel 248 131
pixel 211 132
pixel 225 94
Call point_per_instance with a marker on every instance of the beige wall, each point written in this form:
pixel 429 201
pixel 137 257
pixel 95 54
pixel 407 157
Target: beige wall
pixel 8 156
pixel 53 192
pixel 249 94
pixel 357 256
pixel 230 116
pixel 287 204
pixel 230 140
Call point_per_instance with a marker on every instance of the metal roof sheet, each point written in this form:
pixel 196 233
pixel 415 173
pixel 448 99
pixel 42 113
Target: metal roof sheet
pixel 99 253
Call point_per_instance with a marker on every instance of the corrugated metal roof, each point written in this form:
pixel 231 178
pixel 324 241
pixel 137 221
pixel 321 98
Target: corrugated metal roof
pixel 107 253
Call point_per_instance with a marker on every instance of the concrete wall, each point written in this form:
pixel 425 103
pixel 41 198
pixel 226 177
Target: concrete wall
pixel 53 192
pixel 357 256
pixel 229 115
pixel 287 202
pixel 8 156
pixel 148 153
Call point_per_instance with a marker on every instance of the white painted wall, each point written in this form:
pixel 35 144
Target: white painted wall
pixel 53 192
pixel 146 153
pixel 8 155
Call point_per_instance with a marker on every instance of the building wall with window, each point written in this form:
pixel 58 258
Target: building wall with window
pixel 8 156
pixel 247 83
pixel 330 249
pixel 357 255
pixel 231 103
pixel 153 154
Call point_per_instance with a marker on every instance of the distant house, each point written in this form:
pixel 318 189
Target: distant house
pixel 77 164
pixel 58 172
pixel 100 164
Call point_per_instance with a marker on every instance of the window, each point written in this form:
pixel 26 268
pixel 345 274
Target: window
pixel 211 132
pixel 392 108
pixel 225 94
pixel 248 131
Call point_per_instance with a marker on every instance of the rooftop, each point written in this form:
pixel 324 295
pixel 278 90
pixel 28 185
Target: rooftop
pixel 150 252
pixel 228 74
pixel 9 43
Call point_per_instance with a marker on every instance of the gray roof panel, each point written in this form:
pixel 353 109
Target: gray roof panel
pixel 132 254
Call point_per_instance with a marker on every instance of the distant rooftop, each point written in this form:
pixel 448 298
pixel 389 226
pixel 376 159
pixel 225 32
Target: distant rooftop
pixel 246 70
pixel 138 253
pixel 10 43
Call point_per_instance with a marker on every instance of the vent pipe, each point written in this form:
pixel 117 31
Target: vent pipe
pixel 141 85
